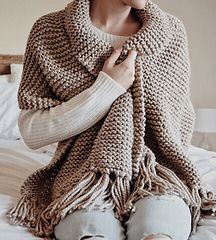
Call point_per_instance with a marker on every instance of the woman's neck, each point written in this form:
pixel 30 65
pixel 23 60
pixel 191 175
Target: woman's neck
pixel 114 17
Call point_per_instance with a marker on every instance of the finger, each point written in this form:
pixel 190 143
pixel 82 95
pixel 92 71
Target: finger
pixel 131 56
pixel 114 56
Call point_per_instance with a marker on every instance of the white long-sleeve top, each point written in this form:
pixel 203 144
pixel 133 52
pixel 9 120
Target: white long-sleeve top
pixel 44 127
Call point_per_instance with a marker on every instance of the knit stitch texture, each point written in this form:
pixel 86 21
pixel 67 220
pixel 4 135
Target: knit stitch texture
pixel 139 148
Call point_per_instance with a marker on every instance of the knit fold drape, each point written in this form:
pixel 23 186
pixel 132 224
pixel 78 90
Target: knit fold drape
pixel 139 148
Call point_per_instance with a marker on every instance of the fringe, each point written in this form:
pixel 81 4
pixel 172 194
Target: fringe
pixel 154 179
pixel 205 205
pixel 41 220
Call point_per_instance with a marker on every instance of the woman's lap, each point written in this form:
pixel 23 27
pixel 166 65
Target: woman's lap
pixel 154 214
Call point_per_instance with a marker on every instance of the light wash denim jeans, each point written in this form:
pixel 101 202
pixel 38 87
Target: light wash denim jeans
pixel 166 214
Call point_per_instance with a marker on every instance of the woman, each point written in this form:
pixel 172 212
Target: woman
pixel 114 21
pixel 75 92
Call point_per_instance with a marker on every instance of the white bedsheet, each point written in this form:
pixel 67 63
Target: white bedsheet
pixel 17 161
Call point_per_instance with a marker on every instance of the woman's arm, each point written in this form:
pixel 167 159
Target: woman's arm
pixel 43 127
pixel 44 119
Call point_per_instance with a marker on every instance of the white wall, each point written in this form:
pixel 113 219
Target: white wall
pixel 16 19
pixel 199 17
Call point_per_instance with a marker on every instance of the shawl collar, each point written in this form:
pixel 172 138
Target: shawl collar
pixel 91 51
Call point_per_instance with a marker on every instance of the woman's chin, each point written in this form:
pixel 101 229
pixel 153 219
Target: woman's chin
pixel 137 4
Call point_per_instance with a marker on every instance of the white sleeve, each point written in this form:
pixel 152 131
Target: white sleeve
pixel 43 127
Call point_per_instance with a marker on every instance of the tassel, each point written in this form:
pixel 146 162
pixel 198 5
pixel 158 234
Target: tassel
pixel 195 210
pixel 153 179
pixel 120 192
pixel 41 221
pixel 208 201
pixel 156 179
pixel 25 214
pixel 205 204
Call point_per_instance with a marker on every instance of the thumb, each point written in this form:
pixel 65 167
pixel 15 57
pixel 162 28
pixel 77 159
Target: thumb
pixel 114 56
pixel 131 56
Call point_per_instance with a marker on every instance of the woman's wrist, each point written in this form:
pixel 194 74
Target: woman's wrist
pixel 105 85
pixel 116 83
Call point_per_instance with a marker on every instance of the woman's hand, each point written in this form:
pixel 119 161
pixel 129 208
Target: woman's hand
pixel 122 73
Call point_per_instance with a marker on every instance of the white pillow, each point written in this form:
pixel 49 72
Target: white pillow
pixel 197 153
pixel 9 110
pixel 16 72
pixel 5 78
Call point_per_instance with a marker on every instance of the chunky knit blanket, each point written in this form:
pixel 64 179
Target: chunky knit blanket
pixel 139 148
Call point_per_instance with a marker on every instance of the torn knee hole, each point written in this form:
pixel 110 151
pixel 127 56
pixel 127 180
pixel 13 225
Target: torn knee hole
pixel 158 236
pixel 91 237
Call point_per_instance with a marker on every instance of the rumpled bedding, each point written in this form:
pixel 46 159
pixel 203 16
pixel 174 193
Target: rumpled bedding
pixel 17 161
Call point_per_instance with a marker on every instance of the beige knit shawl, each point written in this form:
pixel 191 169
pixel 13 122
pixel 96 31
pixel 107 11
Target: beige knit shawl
pixel 139 148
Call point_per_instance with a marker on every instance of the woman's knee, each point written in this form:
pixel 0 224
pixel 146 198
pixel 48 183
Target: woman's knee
pixel 167 215
pixel 83 224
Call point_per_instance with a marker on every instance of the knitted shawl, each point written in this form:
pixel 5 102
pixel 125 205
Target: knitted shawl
pixel 139 148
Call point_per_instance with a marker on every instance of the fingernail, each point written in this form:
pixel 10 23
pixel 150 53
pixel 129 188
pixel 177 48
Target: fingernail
pixel 118 49
pixel 134 51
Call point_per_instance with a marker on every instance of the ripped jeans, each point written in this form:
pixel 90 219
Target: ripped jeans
pixel 165 214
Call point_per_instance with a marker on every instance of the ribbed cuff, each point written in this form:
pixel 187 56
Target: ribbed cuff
pixel 72 117
pixel 106 84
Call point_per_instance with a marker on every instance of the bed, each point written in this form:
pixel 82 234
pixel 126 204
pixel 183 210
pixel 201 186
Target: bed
pixel 17 161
